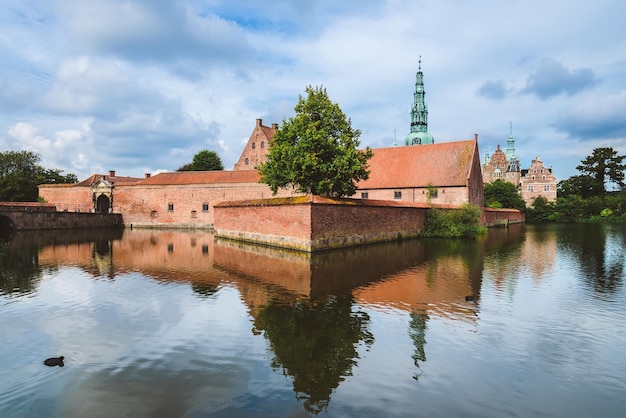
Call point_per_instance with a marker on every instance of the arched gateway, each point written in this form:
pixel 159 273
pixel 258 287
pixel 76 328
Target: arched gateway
pixel 102 196
pixel 6 222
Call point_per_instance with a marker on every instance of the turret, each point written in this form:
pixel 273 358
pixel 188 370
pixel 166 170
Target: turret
pixel 419 113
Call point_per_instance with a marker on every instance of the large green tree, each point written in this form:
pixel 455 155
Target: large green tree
pixel 204 160
pixel 602 168
pixel 502 194
pixel 316 151
pixel 20 174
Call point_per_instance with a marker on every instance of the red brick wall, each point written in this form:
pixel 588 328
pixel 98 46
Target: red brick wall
pixel 143 205
pixel 314 225
pixel 492 217
pixel 68 198
pixel 476 188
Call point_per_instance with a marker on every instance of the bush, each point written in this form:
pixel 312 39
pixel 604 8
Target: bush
pixel 453 223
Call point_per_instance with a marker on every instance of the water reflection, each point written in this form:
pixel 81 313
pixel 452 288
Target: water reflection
pixel 316 344
pixel 313 312
pixel 19 272
pixel 599 251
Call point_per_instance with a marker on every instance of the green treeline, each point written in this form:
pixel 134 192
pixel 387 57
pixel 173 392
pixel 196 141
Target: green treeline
pixel 21 173
pixel 596 194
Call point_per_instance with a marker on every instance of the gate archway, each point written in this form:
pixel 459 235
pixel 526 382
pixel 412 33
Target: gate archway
pixel 102 204
pixel 6 222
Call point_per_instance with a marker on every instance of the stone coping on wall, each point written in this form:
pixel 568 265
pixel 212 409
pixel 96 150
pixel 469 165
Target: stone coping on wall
pixel 308 199
pixel 16 206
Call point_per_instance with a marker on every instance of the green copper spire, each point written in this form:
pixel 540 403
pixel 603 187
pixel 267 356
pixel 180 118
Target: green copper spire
pixel 510 145
pixel 419 114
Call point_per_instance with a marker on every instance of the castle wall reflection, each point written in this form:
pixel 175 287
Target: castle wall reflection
pixel 316 314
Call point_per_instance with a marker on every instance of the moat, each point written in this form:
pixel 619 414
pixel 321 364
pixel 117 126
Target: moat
pixel 155 323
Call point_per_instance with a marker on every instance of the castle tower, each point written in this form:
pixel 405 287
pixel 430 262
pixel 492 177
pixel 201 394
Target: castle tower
pixel 419 114
pixel 510 145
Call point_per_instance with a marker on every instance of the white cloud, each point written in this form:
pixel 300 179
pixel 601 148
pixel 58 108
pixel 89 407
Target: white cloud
pixel 156 81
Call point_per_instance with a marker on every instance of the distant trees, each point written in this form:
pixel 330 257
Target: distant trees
pixel 20 174
pixel 596 194
pixel 204 160
pixel 601 171
pixel 502 194
pixel 316 151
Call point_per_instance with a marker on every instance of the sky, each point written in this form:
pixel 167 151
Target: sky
pixel 140 86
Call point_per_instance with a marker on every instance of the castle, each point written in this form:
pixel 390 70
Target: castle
pixel 536 181
pixel 423 172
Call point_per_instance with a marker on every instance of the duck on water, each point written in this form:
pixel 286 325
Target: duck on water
pixel 54 361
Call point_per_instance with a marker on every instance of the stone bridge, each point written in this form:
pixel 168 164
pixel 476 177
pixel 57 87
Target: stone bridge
pixel 33 215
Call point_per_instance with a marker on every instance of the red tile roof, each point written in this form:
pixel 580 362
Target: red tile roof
pixel 202 177
pixel 441 164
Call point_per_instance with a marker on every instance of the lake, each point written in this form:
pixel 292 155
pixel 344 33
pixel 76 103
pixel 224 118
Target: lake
pixel 528 321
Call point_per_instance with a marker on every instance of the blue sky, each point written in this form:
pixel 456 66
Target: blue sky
pixel 140 86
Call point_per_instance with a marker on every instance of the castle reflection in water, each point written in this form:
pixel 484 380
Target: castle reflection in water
pixel 413 275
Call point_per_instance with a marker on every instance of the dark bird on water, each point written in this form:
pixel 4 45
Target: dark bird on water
pixel 469 298
pixel 54 361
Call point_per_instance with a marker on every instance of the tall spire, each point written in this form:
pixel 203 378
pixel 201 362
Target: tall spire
pixel 419 113
pixel 510 144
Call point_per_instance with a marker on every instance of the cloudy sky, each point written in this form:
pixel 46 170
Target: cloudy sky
pixel 140 86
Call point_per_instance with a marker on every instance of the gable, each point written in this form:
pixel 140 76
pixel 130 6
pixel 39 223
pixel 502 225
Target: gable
pixel 257 147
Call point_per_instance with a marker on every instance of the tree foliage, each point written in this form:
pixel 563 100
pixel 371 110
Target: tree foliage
pixel 502 194
pixel 602 168
pixel 316 151
pixel 20 174
pixel 204 160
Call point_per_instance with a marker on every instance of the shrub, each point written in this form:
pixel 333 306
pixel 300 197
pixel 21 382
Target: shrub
pixel 453 223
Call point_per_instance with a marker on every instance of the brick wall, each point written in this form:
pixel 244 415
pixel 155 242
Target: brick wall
pixel 311 223
pixel 494 217
pixel 445 195
pixel 62 220
pixel 68 198
pixel 181 206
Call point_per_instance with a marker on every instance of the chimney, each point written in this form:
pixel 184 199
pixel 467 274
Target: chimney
pixel 111 173
pixel 274 126
pixel 147 175
pixel 475 137
pixel 259 122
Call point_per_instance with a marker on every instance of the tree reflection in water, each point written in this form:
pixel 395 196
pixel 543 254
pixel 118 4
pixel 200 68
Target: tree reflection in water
pixel 315 343
pixel 19 273
pixel 417 332
pixel 599 250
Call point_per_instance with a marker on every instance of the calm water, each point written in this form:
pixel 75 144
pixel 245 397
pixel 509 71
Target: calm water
pixel 174 324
